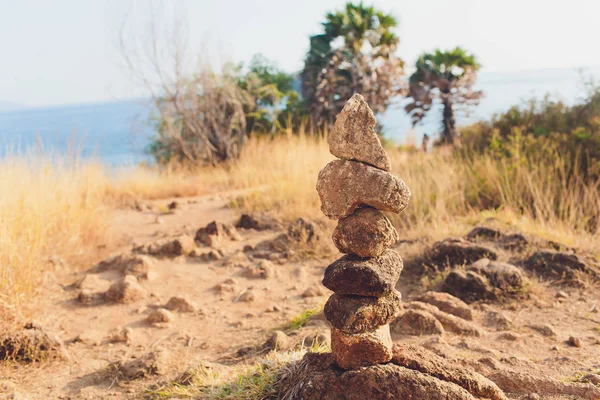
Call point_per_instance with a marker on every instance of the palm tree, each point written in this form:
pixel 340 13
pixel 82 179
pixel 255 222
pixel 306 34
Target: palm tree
pixel 354 54
pixel 447 76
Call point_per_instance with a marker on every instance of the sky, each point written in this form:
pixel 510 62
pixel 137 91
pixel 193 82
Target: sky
pixel 66 51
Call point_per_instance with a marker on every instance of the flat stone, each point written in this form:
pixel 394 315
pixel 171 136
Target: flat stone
pixel 353 136
pixel 365 233
pixel 345 185
pixel 364 276
pixel 362 349
pixel 448 303
pixel 358 314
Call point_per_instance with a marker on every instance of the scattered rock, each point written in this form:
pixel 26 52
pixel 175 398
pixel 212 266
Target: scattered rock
pixel 365 233
pixel 159 317
pixel 358 314
pixel 207 256
pixel 362 349
pixel 364 277
pixel 562 295
pixel 304 231
pixel 456 252
pixel 497 320
pixel 126 290
pixel 279 341
pixel 503 276
pixel 508 336
pixel 31 344
pixel 215 233
pixel 448 303
pixel 93 283
pixel 247 296
pixel 180 246
pixel 263 270
pixel 313 291
pixel 450 322
pixel 417 323
pixel 561 265
pixel 469 286
pixel 344 185
pixel 150 364
pixel 238 260
pixel 575 341
pixel 121 335
pixel 89 298
pixel 127 264
pixel 180 304
pixel 353 136
pixel 545 330
pixel 173 205
pixel 510 241
pixel 91 337
pixel 594 379
pixel 256 222
pixel 482 232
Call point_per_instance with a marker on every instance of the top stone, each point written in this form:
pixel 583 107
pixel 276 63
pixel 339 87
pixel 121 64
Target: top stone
pixel 353 136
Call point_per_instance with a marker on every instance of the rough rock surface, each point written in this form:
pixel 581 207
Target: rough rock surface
pixel 520 382
pixel 417 323
pixel 561 265
pixel 353 136
pixel 365 233
pixel 358 314
pixel 422 360
pixel 345 185
pixel 448 303
pixel 503 276
pixel 451 323
pixel 469 286
pixel 425 377
pixel 364 277
pixel 126 290
pixel 457 252
pixel 362 349
pixel 215 233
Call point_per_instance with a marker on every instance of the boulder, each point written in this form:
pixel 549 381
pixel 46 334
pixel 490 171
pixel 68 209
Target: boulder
pixel 417 323
pixel 364 276
pixel 362 349
pixel 451 323
pixel 561 265
pixel 126 290
pixel 457 252
pixel 448 303
pixel 503 276
pixel 215 233
pixel 469 286
pixel 365 233
pixel 358 314
pixel 422 360
pixel 316 377
pixel 345 185
pixel 353 136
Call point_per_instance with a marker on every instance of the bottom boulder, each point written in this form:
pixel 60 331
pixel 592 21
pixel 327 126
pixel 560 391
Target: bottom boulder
pixel 414 373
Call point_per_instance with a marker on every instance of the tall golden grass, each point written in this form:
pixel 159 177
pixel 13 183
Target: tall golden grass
pixel 52 208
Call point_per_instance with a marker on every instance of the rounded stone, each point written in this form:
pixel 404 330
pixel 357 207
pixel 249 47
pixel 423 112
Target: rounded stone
pixel 358 314
pixel 363 349
pixel 345 185
pixel 365 233
pixel 371 277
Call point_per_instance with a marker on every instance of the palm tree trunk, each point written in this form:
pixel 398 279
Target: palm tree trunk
pixel 449 134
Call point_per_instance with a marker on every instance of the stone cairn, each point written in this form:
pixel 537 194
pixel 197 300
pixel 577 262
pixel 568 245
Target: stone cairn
pixel 354 190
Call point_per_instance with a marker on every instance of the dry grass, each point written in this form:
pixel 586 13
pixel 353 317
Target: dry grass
pixel 51 208
pixel 48 211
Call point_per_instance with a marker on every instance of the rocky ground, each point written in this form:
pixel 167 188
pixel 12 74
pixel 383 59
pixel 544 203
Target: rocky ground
pixel 192 284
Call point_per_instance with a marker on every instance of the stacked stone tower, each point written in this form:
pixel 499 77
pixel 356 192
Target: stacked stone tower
pixel 354 190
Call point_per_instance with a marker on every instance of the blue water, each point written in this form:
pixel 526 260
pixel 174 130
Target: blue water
pixel 118 132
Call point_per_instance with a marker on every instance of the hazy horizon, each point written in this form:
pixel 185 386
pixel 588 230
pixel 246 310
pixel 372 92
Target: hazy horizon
pixel 65 53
